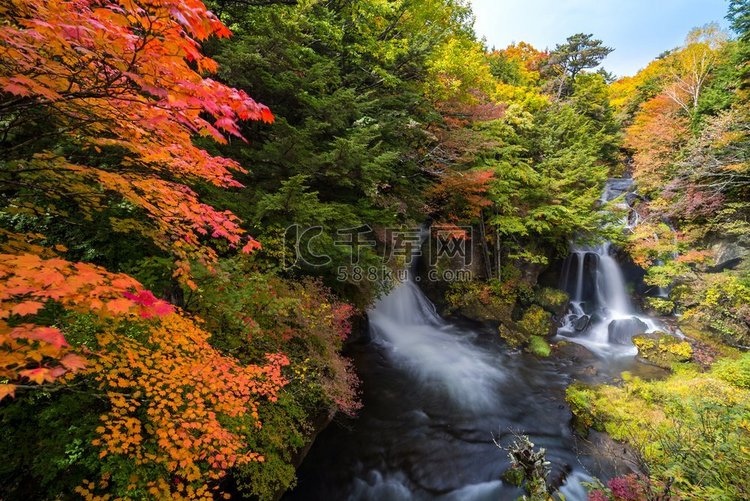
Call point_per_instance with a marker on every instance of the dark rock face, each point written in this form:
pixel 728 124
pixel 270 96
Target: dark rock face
pixel 582 323
pixel 622 331
pixel 728 256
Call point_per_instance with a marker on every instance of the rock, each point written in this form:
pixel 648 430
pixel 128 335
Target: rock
pixel 622 331
pixel 631 199
pixel 513 336
pixel 582 323
pixel 606 457
pixel 589 371
pixel 576 353
pixel 728 256
pixel 588 307
pixel 662 349
pixel 554 301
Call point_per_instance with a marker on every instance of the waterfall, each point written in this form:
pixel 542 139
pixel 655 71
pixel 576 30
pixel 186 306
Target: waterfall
pixel 601 316
pixel 443 359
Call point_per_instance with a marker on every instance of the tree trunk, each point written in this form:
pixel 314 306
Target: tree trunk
pixel 485 248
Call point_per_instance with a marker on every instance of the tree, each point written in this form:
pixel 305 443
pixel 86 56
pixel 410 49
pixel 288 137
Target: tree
pixel 580 52
pixel 40 353
pixel 692 66
pixel 739 16
pixel 657 134
pixel 104 98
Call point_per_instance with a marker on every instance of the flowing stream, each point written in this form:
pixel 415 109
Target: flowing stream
pixel 437 392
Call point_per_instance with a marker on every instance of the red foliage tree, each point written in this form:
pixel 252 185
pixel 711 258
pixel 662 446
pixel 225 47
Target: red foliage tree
pixel 125 77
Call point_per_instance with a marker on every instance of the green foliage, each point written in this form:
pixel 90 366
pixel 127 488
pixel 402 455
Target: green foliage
pixel 734 371
pixel 61 424
pixel 579 52
pixel 691 428
pixel 660 305
pixel 724 307
pixel 553 300
pixel 739 16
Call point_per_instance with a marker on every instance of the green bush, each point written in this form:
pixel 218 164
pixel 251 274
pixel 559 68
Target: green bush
pixel 552 300
pixel 663 349
pixel 691 429
pixel 735 372
pixel 660 305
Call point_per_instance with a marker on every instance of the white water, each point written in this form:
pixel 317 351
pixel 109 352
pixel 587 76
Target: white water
pixel 601 316
pixel 439 356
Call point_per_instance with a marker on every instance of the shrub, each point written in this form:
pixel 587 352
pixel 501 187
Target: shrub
pixel 691 429
pixel 660 305
pixel 735 372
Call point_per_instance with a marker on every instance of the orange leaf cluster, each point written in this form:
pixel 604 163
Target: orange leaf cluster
pixel 41 354
pixel 122 74
pixel 172 397
pixel 460 196
pixel 655 137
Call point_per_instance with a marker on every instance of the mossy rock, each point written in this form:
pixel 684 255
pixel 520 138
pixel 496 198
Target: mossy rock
pixel 662 349
pixel 554 301
pixel 513 336
pixel 539 347
pixel 537 322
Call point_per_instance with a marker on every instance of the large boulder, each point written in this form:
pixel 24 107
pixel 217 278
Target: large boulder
pixel 622 331
pixel 728 255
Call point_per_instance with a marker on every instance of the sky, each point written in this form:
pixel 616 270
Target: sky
pixel 638 30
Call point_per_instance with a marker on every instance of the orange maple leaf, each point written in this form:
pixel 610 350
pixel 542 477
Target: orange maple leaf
pixel 39 375
pixel 27 308
pixel 7 390
pixel 73 362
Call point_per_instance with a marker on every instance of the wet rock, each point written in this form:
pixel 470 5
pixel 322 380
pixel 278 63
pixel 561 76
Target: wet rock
pixel 588 307
pixel 512 335
pixel 622 331
pixel 606 457
pixel 589 371
pixel 582 323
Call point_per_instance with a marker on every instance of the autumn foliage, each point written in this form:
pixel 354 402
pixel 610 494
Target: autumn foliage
pixel 127 79
pixel 40 353
pixel 659 130
pixel 178 405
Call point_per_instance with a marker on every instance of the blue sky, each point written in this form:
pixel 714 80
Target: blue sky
pixel 639 30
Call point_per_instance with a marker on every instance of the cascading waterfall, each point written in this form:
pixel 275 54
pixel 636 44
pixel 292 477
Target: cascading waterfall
pixel 442 358
pixel 601 316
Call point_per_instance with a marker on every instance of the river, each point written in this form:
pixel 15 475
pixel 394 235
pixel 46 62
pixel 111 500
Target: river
pixel 437 392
